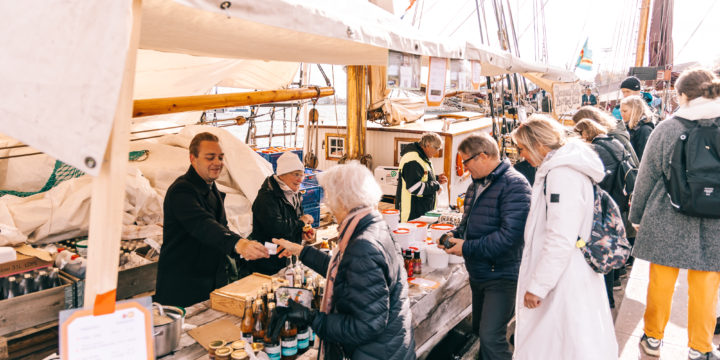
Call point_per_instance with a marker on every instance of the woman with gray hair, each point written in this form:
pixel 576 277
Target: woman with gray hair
pixel 562 310
pixel 365 311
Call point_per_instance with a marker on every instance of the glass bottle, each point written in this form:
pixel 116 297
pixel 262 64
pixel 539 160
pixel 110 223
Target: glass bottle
pixel 272 345
pixel 246 326
pixel 53 278
pixel 288 342
pixel 12 288
pixel 290 274
pixel 417 263
pixel 259 326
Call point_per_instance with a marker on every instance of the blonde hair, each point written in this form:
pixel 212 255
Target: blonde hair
pixel 539 130
pixel 638 109
pixel 589 129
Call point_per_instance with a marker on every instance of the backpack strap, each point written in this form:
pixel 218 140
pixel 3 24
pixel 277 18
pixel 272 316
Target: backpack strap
pixel 608 149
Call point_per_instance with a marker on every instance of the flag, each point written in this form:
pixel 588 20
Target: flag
pixel 585 59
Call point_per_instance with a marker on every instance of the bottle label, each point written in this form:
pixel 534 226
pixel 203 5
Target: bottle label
pixel 273 351
pixel 248 338
pixel 289 347
pixel 303 339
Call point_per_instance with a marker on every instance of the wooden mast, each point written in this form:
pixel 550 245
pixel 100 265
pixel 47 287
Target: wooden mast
pixel 642 33
pixel 108 191
pixel 356 111
pixel 147 107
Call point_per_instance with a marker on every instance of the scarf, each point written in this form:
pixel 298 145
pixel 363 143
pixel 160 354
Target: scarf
pixel 346 230
pixel 290 195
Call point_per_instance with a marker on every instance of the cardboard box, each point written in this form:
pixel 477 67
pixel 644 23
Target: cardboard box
pixel 231 298
pixel 23 264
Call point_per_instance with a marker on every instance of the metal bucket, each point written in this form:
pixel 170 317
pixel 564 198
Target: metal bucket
pixel 167 336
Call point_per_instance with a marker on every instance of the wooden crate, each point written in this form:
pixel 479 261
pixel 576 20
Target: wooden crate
pixel 36 342
pixel 37 308
pixel 231 298
pixel 131 282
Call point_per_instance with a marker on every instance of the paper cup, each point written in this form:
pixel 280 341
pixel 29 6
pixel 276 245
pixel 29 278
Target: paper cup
pixel 436 230
pixel 402 237
pixel 392 218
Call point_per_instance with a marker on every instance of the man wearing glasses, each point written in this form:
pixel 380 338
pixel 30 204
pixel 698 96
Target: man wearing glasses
pixel 490 238
pixel 417 184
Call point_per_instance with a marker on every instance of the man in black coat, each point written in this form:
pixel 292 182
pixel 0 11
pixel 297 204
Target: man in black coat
pixel 196 238
pixel 490 238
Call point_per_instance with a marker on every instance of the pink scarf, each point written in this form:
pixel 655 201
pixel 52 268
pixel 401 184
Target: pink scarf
pixel 346 229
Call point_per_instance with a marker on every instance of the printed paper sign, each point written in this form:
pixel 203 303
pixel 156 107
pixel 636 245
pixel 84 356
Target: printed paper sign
pixel 403 70
pixel 476 77
pixel 437 71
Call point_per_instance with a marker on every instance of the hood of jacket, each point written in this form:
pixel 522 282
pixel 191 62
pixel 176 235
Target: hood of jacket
pixel 576 155
pixel 417 148
pixel 700 108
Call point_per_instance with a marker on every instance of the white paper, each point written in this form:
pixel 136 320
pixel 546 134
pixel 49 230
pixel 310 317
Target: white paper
pixel 120 335
pixel 436 79
pixel 62 67
pixel 476 74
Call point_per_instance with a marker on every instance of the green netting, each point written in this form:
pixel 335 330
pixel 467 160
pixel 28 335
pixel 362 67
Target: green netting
pixel 62 172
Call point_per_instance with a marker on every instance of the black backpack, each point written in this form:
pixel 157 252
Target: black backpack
pixel 624 175
pixel 694 181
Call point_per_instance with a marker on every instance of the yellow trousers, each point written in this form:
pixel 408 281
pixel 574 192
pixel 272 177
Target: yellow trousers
pixel 702 298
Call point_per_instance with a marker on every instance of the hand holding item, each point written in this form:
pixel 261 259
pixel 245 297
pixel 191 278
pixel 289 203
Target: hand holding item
pixel 251 250
pixel 636 227
pixel 307 218
pixel 308 233
pixel 442 178
pixel 453 246
pixel 289 248
pixel 299 314
pixel 531 300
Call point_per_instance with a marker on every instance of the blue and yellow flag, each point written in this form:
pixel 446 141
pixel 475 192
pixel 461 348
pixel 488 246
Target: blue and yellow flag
pixel 585 59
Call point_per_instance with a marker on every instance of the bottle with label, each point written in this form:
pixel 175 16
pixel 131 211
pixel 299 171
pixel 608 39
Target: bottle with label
pixel 303 339
pixel 259 326
pixel 288 341
pixel 272 346
pixel 246 326
pixel 417 263
pixel 290 274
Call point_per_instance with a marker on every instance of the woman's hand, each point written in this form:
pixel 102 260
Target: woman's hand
pixel 309 235
pixel 531 300
pixel 307 218
pixel 288 248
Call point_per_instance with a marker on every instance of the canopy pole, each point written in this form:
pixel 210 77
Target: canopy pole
pixel 108 190
pixel 356 111
pixel 159 106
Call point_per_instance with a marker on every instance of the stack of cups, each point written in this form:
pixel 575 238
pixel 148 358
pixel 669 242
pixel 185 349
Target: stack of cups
pixel 402 236
pixel 392 218
pixel 421 231
pixel 437 230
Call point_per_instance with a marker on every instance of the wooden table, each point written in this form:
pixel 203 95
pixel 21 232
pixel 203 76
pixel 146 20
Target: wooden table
pixel 434 313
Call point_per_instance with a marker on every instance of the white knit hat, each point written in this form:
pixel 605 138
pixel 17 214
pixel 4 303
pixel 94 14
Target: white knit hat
pixel 288 162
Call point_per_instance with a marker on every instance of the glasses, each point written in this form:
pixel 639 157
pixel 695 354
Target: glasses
pixel 466 161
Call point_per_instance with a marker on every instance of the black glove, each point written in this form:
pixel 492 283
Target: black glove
pixel 277 322
pixel 299 314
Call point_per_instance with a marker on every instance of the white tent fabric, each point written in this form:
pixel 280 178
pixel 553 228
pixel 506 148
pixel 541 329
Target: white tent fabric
pixel 62 65
pixel 160 74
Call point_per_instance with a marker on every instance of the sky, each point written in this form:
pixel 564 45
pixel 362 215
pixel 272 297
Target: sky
pixel 568 24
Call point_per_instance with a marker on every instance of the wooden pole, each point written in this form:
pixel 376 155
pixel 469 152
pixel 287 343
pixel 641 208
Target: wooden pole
pixel 148 107
pixel 356 111
pixel 642 33
pixel 108 191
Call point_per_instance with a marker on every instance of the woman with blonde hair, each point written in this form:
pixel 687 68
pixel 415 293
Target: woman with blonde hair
pixel 639 119
pixel 615 128
pixel 562 310
pixel 671 241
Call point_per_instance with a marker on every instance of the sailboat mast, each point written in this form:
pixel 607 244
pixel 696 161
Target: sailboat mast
pixel 642 33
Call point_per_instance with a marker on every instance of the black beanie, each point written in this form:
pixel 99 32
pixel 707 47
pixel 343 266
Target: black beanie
pixel 631 83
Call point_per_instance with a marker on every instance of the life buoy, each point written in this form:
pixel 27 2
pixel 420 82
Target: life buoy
pixel 459 168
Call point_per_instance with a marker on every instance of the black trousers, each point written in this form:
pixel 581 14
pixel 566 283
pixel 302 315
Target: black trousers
pixel 493 306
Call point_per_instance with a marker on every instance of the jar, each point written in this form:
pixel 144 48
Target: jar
pixel 223 353
pixel 239 355
pixel 213 346
pixel 257 347
pixel 238 345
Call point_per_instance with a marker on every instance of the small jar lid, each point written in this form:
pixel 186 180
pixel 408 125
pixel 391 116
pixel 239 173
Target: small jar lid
pixel 239 355
pixel 238 345
pixel 216 344
pixel 223 351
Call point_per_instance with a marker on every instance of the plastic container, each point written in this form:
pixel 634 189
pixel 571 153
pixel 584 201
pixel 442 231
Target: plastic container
pixel 392 218
pixel 313 211
pixel 402 236
pixel 82 248
pixel 311 194
pixel 437 258
pixel 454 259
pixel 421 232
pixel 436 230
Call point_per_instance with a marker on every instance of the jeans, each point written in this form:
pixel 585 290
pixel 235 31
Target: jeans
pixel 609 281
pixel 493 306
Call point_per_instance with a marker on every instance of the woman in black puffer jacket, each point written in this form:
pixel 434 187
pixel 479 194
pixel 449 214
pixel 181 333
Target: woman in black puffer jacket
pixel 366 310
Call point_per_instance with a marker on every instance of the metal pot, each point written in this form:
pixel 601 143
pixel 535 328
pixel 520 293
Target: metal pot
pixel 167 336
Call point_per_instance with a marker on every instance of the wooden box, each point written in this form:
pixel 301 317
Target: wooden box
pixel 231 298
pixel 131 282
pixel 36 308
pixel 23 264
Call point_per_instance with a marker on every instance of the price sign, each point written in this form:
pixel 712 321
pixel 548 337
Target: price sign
pixel 437 71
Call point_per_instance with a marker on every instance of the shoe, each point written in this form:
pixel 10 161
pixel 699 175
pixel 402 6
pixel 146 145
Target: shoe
pixel 717 326
pixel 622 272
pixel 650 345
pixel 696 355
pixel 617 284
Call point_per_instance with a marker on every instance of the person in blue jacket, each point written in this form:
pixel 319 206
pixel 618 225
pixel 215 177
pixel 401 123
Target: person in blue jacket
pixel 588 98
pixel 490 238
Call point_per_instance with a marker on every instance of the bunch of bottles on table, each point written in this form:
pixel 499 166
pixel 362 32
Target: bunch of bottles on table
pixel 29 282
pixel 293 340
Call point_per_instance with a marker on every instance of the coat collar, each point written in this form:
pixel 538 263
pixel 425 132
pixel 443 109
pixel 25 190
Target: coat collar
pixel 499 170
pixel 198 182
pixel 700 108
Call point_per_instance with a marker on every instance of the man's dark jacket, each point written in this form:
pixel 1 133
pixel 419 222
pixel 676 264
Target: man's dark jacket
pixel 412 173
pixel 196 242
pixel 370 316
pixel 274 217
pixel 494 224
